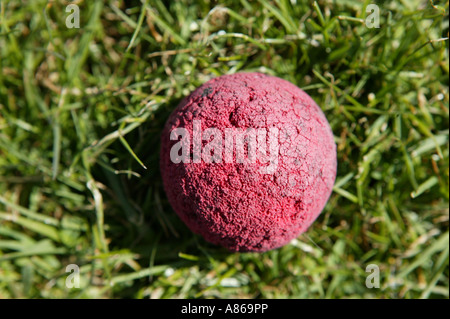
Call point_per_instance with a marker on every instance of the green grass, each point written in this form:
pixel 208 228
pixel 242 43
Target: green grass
pixel 81 111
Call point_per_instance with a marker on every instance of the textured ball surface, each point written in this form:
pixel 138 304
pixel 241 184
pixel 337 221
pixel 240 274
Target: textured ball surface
pixel 238 205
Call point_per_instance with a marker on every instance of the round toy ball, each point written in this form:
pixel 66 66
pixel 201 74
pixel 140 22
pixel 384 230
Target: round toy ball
pixel 248 161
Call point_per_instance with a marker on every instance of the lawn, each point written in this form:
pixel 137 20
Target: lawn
pixel 81 113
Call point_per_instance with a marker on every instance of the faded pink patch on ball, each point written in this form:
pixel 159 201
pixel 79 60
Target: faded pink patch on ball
pixel 234 204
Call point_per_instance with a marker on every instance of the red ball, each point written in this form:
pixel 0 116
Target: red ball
pixel 248 161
